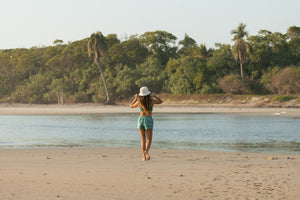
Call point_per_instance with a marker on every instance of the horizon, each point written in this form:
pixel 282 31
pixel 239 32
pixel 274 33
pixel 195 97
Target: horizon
pixel 123 39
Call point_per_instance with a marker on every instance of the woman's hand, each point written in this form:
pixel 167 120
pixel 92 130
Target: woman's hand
pixel 156 99
pixel 134 102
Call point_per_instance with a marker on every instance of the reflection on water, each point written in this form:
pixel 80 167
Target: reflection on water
pixel 180 131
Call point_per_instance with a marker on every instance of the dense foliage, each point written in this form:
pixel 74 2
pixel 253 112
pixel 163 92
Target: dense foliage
pixel 65 72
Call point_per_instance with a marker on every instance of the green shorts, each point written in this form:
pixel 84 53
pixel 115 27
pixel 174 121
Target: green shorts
pixel 145 122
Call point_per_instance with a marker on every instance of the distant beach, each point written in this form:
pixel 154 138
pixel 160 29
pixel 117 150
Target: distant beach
pixel 78 109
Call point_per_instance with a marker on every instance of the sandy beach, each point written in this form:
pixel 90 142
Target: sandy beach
pixel 119 173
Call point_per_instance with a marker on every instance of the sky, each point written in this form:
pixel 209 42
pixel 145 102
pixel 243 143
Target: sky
pixel 37 23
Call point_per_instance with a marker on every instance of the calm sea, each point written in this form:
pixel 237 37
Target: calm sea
pixel 274 134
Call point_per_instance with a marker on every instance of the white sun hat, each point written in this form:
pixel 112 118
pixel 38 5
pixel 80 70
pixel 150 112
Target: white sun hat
pixel 144 91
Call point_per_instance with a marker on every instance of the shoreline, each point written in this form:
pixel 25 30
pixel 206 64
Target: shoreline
pixel 119 173
pixel 81 109
pixel 74 146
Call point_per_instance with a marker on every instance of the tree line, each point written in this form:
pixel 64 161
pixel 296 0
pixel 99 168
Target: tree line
pixel 105 69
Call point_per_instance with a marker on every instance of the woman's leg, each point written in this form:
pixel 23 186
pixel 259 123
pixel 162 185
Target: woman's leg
pixel 143 142
pixel 149 142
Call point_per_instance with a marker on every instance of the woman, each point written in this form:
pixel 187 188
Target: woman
pixel 145 101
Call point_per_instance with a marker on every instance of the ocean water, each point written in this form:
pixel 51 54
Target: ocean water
pixel 216 132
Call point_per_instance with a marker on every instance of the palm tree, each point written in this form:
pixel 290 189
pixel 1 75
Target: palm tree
pixel 240 48
pixel 97 47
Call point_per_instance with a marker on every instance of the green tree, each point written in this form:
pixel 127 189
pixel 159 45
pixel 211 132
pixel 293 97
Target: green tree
pixel 112 39
pixel 124 82
pixel 97 47
pixel 130 52
pixel 161 44
pixel 186 75
pixel 58 41
pixel 202 52
pixel 31 62
pixel 219 65
pixel 151 74
pixel 57 87
pixel 32 90
pixel 188 44
pixel 293 34
pixel 240 48
pixel 269 50
pixel 261 54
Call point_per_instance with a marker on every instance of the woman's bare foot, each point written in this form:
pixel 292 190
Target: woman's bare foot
pixel 144 157
pixel 147 155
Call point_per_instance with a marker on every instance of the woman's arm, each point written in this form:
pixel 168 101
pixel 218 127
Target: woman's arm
pixel 135 102
pixel 156 99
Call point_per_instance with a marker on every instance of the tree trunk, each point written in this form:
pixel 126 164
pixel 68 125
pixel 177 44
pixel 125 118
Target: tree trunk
pixel 104 82
pixel 242 73
pixel 62 97
pixel 58 99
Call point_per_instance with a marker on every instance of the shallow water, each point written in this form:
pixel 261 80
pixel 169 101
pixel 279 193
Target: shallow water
pixel 180 131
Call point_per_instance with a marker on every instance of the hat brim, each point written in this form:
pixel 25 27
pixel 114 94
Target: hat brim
pixel 142 95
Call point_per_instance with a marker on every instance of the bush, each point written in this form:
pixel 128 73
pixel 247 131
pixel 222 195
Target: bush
pixel 33 90
pixel 233 84
pixel 286 81
pixel 210 89
pixel 282 98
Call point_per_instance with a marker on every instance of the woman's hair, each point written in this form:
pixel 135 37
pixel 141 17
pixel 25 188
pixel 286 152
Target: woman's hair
pixel 145 102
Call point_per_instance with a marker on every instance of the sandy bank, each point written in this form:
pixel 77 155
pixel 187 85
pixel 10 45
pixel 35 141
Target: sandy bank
pixel 119 173
pixel 29 109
